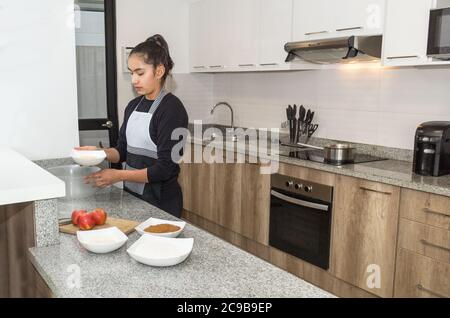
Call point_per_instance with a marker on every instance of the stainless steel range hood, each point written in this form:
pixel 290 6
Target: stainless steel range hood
pixel 336 50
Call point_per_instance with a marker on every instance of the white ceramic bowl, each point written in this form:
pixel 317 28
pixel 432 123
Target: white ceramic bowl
pixel 160 251
pixel 88 157
pixel 154 221
pixel 102 241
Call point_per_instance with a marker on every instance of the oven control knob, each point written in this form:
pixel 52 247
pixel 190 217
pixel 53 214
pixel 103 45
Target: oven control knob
pixel 298 186
pixel 308 188
pixel 289 184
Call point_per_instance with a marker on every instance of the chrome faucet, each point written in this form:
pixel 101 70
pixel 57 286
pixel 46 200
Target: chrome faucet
pixel 231 109
pixel 234 137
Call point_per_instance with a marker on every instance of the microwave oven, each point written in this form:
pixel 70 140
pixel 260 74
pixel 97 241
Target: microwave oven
pixel 439 34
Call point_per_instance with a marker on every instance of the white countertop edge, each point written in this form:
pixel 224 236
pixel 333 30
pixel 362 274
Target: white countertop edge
pixel 21 180
pixel 45 192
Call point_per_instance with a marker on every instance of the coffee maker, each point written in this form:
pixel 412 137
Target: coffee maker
pixel 432 149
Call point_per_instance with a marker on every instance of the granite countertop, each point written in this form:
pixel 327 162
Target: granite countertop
pixel 393 172
pixel 215 268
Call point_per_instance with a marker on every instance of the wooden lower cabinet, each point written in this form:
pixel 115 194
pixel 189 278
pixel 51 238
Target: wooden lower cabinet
pixel 421 276
pixel 18 278
pixel 255 204
pixel 426 240
pixel 425 208
pixel 227 195
pixel 303 270
pixel 235 196
pixel 232 201
pixel 364 237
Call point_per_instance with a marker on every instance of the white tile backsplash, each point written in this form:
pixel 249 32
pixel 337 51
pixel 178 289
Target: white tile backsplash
pixel 369 105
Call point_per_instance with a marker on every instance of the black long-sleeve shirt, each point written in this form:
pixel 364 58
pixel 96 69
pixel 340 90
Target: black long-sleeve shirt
pixel 169 116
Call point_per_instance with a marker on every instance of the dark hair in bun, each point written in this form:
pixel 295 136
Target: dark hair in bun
pixel 155 52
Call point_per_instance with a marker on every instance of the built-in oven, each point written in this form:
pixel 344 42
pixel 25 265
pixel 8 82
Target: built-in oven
pixel 439 34
pixel 300 218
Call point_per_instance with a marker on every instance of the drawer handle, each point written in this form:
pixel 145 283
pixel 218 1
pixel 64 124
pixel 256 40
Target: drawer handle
pixel 376 191
pixel 427 210
pixel 246 65
pixel 425 242
pixel 319 32
pixel 421 288
pixel 269 64
pixel 403 57
pixel 350 29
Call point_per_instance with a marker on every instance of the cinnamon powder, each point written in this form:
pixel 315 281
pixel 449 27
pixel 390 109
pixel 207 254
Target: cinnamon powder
pixel 162 228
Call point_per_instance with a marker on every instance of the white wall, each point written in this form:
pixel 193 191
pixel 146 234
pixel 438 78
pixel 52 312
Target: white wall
pixel 139 19
pixel 38 92
pixel 374 106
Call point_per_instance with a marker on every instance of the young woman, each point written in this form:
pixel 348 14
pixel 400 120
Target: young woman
pixel 145 142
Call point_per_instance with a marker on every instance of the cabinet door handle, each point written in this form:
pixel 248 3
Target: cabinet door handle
pixel 376 191
pixel 349 29
pixel 318 32
pixel 403 57
pixel 427 210
pixel 421 288
pixel 425 242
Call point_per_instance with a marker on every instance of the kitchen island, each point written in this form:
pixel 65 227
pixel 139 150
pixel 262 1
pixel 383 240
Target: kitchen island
pixel 215 268
pixel 23 187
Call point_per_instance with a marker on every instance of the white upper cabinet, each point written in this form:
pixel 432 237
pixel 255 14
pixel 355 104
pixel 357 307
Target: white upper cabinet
pixel 355 17
pixel 210 35
pixel 312 19
pixel 321 19
pixel 198 36
pixel 245 34
pixel 219 28
pixel 406 32
pixel 240 35
pixel 275 32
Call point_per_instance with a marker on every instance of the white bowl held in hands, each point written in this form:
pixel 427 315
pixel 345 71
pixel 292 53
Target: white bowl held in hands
pixel 88 157
pixel 154 221
pixel 102 241
pixel 160 251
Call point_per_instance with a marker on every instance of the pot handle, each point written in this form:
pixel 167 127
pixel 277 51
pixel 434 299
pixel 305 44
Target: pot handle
pixel 310 146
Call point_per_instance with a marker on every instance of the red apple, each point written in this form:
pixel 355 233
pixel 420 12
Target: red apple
pixel 99 216
pixel 86 222
pixel 76 215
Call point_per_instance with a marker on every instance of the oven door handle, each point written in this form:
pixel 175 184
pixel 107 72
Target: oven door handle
pixel 299 202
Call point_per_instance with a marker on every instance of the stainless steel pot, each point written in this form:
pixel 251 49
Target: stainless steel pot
pixel 337 153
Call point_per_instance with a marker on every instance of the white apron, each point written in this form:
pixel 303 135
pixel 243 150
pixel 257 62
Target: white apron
pixel 139 141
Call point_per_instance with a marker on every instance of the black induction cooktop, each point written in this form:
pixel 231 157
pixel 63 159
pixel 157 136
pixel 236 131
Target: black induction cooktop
pixel 317 155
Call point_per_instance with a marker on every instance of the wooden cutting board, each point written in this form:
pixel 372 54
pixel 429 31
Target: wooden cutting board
pixel 126 226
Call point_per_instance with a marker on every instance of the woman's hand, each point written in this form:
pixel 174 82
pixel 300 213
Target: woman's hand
pixel 104 178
